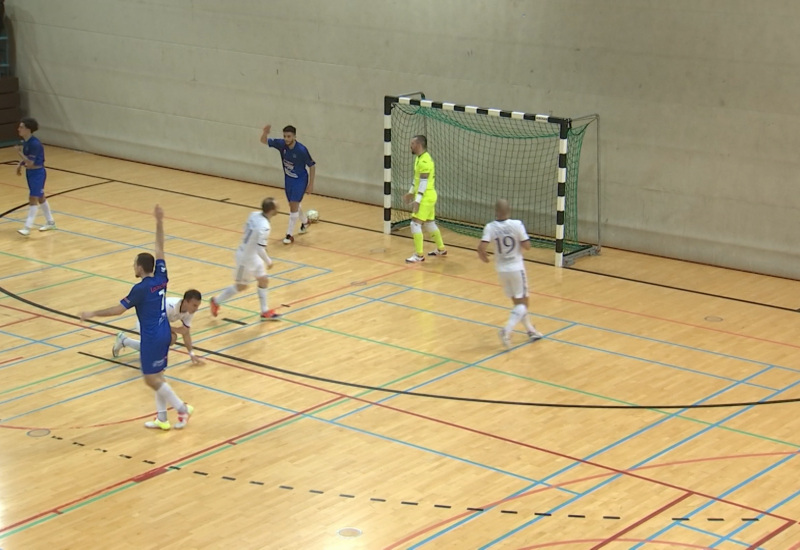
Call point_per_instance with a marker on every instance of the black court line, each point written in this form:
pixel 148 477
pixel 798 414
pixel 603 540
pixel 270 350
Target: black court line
pixel 392 390
pixel 341 224
pixel 236 321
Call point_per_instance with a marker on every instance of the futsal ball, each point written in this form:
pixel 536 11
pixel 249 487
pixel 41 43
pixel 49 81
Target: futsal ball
pixel 313 216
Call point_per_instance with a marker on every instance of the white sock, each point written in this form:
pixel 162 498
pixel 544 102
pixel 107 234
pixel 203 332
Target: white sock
pixel 517 314
pixel 226 294
pixel 131 343
pixel 170 397
pixel 292 220
pixel 262 298
pixel 527 320
pixel 47 214
pixel 161 407
pixel 31 215
pixel 303 217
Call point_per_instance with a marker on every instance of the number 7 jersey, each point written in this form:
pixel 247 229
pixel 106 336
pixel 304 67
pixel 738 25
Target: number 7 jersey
pixel 148 296
pixel 506 236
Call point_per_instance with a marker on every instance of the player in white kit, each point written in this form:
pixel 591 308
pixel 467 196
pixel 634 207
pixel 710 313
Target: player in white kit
pixel 510 238
pixel 178 309
pixel 252 260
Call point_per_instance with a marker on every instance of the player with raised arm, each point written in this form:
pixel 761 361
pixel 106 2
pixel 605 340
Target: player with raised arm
pixel 178 309
pixel 251 257
pixel 423 193
pixel 148 296
pixel 297 181
pixel 510 238
pixel 32 159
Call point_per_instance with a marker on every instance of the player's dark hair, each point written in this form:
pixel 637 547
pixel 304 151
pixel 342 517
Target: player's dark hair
pixel 146 261
pixel 268 205
pixel 290 129
pixel 30 124
pixel 422 141
pixel 192 294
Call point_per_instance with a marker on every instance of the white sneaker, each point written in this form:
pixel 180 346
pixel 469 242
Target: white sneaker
pixel 288 239
pixel 414 259
pixel 48 226
pixel 157 424
pixel 118 344
pixel 505 338
pixel 183 419
pixel 24 231
pixel 535 335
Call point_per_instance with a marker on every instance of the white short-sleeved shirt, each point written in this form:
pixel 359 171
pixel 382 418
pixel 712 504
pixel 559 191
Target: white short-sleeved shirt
pixel 507 237
pixel 256 233
pixel 174 314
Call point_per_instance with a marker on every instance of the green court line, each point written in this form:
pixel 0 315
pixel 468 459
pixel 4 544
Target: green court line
pixel 297 418
pixel 52 377
pixel 28 525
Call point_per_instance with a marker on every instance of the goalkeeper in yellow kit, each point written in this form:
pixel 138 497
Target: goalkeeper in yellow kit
pixel 423 193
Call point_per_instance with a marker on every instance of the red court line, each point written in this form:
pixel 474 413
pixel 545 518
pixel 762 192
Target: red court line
pixel 11 360
pixel 770 536
pixel 582 302
pixel 34 316
pixel 639 522
pixel 589 541
pixel 162 468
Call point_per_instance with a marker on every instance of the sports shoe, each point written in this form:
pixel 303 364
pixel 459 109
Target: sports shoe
pixel 118 344
pixel 288 239
pixel 414 259
pixel 270 315
pixel 183 419
pixel 48 226
pixel 505 338
pixel 535 335
pixel 157 424
pixel 24 231
pixel 303 228
pixel 214 307
pixel 438 253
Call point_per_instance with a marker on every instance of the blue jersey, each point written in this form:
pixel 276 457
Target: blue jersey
pixel 34 151
pixel 148 296
pixel 295 160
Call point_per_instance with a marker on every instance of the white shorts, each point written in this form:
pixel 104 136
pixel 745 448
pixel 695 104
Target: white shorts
pixel 514 283
pixel 248 268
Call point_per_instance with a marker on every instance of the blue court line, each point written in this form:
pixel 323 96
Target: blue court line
pixel 31 358
pixel 96 390
pixel 188 258
pixel 365 432
pixel 439 378
pixel 31 340
pixel 710 534
pixel 48 267
pixel 228 248
pixel 59 384
pixel 683 441
pixel 585 346
pixel 612 477
pixel 741 528
pixel 604 329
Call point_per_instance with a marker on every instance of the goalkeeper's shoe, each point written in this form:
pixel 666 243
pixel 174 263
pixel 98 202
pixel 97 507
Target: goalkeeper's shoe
pixel 415 258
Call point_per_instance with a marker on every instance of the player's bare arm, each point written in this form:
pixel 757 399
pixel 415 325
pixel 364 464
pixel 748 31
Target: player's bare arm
pixel 265 133
pixel 312 172
pixel 482 252
pixel 118 309
pixel 525 244
pixel 159 214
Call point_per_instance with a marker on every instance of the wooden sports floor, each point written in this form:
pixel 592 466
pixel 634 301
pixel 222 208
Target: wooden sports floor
pixel 382 412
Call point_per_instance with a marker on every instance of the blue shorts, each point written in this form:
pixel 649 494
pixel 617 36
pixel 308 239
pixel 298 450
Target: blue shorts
pixel 153 355
pixel 36 179
pixel 295 190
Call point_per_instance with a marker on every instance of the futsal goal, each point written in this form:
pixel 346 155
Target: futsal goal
pixel 482 155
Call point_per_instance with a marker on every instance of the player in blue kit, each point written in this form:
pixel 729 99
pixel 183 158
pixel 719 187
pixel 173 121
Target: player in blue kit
pixel 32 155
pixel 297 180
pixel 149 298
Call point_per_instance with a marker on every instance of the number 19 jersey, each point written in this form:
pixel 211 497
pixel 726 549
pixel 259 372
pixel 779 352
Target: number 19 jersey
pixel 506 236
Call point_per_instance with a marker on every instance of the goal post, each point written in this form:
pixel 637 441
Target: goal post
pixel 484 154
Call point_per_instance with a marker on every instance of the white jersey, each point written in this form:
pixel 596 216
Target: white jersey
pixel 174 312
pixel 256 233
pixel 507 236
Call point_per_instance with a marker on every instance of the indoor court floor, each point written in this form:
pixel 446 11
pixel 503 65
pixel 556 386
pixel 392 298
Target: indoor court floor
pixel 382 411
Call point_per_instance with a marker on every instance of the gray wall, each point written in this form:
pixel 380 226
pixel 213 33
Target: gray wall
pixel 698 98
